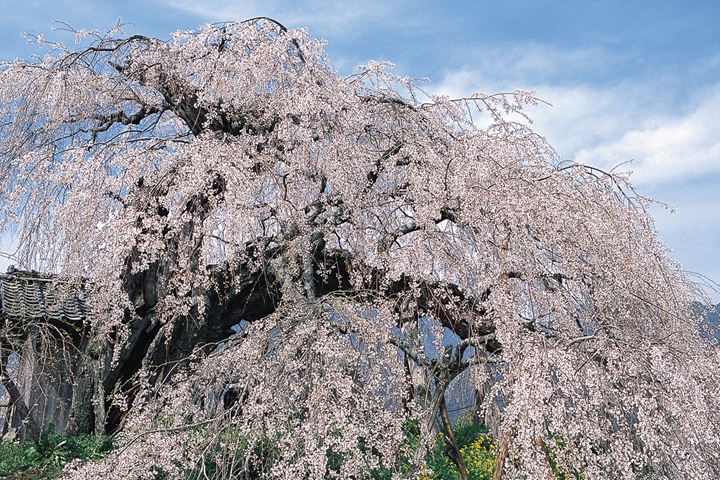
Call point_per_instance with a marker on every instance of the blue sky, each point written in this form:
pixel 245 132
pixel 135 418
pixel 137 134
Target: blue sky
pixel 626 79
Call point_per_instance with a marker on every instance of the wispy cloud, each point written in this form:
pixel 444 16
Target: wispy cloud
pixel 669 138
pixel 676 148
pixel 671 130
pixel 334 17
pixel 531 62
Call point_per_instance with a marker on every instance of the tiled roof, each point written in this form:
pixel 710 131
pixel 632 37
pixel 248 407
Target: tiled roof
pixel 30 295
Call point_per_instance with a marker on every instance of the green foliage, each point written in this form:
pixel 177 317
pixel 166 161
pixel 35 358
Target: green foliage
pixel 26 460
pixel 476 448
pixel 402 464
pixel 16 458
pixel 231 454
pixel 478 454
pixel 560 474
pixel 45 460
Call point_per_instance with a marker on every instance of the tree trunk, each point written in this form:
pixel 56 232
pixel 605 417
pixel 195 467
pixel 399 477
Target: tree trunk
pixel 455 454
pixel 17 404
pixel 420 377
pixel 82 411
pixel 500 460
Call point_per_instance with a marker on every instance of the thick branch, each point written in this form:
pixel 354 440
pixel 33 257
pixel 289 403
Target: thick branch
pixel 411 352
pixel 107 121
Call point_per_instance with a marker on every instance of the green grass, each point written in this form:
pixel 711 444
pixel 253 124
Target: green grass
pixel 45 460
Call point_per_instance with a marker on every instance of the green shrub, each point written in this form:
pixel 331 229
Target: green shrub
pixel 45 460
pixel 476 448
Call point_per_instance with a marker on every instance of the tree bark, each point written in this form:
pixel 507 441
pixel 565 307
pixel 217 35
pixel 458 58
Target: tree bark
pixel 82 412
pixel 17 403
pixel 454 454
pixel 500 460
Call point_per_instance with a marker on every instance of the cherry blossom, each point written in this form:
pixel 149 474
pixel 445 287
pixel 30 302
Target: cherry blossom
pixel 262 240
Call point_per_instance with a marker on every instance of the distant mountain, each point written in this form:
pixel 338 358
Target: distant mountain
pixel 710 324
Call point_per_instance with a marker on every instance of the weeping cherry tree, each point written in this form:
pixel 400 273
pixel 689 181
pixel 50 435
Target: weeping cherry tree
pixel 265 245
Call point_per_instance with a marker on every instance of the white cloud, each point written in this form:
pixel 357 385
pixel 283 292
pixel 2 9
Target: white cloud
pixel 578 117
pixel 334 17
pixel 671 132
pixel 693 231
pixel 608 125
pixel 679 147
pixel 522 64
